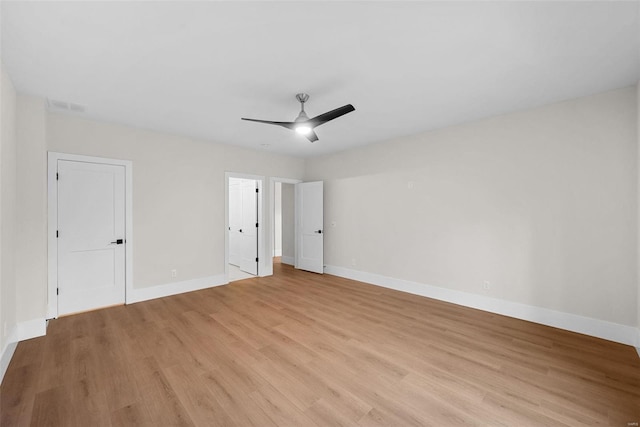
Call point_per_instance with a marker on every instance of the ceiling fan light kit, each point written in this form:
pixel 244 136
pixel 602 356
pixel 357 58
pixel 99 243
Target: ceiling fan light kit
pixel 303 124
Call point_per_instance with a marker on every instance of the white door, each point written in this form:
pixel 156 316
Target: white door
pixel 235 221
pixel 91 231
pixel 309 232
pixel 249 233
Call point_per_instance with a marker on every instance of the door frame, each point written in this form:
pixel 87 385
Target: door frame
pixel 272 206
pixel 261 234
pixel 52 222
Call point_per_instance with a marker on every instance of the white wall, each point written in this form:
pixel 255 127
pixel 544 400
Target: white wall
pixel 288 223
pixel 277 219
pixel 539 203
pixel 8 323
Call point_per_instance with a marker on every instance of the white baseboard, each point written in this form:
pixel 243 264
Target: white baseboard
pixel 174 288
pixel 20 332
pixel 277 252
pixel 287 260
pixel 585 325
pixel 7 354
pixel 38 327
pixel 32 329
pixel 7 351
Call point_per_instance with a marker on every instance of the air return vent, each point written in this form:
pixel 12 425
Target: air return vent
pixel 55 105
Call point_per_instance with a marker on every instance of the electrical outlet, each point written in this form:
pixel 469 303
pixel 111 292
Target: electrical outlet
pixel 486 285
pixel 174 273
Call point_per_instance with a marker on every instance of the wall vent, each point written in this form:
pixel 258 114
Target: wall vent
pixel 56 105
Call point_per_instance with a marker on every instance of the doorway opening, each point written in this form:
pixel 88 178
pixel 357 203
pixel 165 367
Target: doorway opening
pixel 284 223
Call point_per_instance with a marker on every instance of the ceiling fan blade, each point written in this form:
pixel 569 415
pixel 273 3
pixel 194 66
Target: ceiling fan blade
pixel 311 136
pixel 333 114
pixel 288 125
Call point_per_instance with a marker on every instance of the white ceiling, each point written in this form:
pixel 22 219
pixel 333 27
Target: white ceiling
pixel 195 68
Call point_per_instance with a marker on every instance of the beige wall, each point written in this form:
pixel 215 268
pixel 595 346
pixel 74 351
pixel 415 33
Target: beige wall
pixel 178 196
pixel 540 203
pixel 277 218
pixel 31 206
pixel 178 191
pixel 7 210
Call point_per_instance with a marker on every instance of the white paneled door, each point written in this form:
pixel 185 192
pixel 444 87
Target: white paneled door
pixel 249 239
pixel 91 235
pixel 235 221
pixel 309 219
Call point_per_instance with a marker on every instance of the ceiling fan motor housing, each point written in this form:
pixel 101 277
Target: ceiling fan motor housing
pixel 302 98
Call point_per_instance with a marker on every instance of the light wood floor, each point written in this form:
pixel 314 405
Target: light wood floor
pixel 301 349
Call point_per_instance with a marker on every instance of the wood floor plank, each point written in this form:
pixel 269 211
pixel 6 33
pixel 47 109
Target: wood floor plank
pixel 240 408
pixel 132 415
pixel 162 402
pixel 202 407
pixel 287 383
pixel 278 408
pixel 89 403
pixel 53 407
pixel 17 394
pixel 305 349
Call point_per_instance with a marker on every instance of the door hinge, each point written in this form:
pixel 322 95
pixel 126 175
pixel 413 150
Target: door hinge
pixel 57 234
pixel 57 176
pixel 257 191
pixel 57 291
pixel 256 259
pixel 256 224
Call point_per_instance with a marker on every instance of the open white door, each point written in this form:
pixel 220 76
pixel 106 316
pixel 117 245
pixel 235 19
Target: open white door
pixel 249 230
pixel 235 221
pixel 91 235
pixel 309 230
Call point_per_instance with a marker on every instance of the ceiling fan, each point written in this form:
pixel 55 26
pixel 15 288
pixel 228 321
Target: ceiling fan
pixel 303 124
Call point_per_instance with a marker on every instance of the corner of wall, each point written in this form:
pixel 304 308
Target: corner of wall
pixel 31 208
pixel 638 211
pixel 8 286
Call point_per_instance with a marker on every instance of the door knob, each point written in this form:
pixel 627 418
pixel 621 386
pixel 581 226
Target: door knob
pixel 241 230
pixel 118 242
pixel 319 231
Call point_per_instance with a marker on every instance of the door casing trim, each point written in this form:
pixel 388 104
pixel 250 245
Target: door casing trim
pixel 52 222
